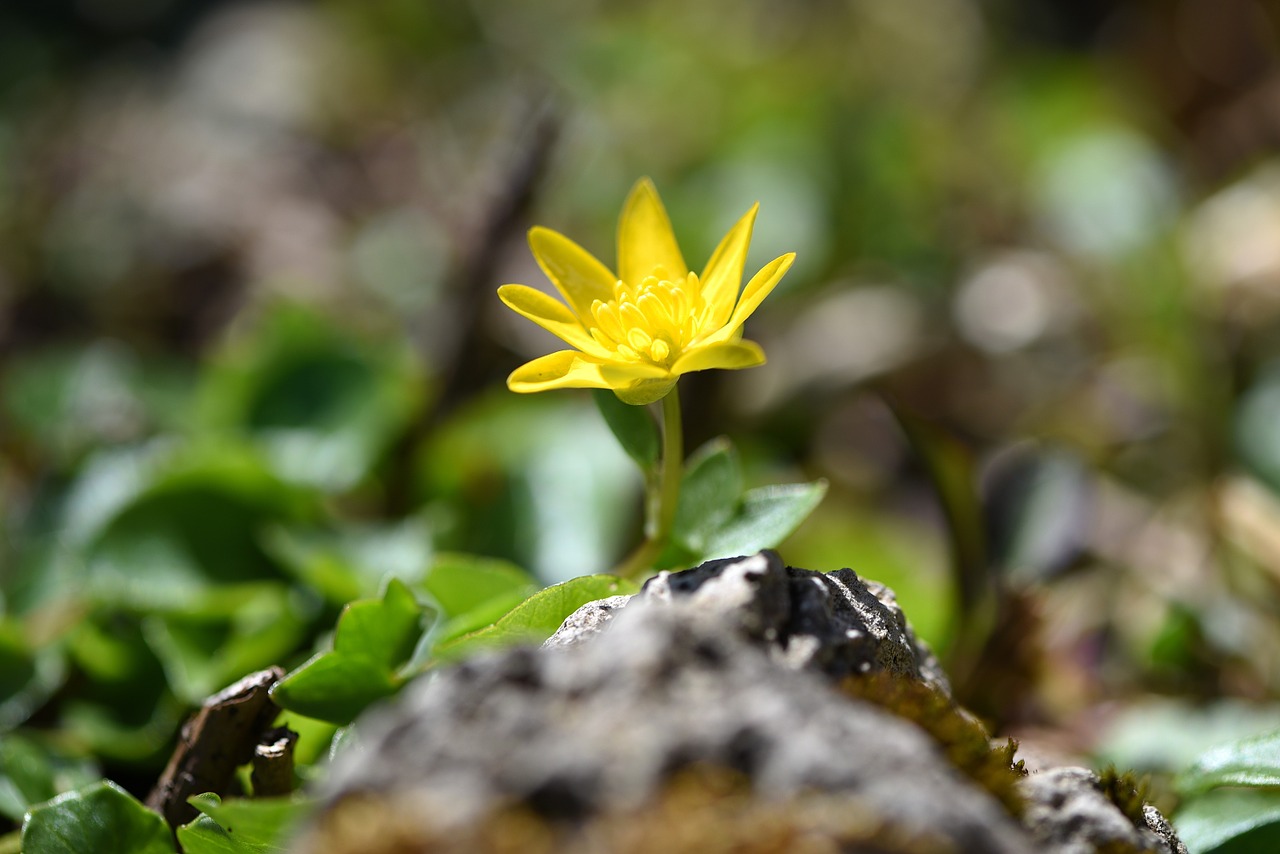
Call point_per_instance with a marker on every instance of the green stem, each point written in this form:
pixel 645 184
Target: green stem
pixel 672 465
pixel 663 492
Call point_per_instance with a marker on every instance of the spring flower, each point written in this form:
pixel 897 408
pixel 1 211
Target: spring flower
pixel 636 332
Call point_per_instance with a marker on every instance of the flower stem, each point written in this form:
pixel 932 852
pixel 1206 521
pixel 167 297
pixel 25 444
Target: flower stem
pixel 672 464
pixel 663 492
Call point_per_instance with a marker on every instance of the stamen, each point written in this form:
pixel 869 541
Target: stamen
pixel 679 305
pixel 606 316
pixel 630 315
pixel 655 309
pixel 652 320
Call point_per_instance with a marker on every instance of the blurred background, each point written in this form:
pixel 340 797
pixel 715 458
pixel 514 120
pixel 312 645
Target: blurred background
pixel 251 358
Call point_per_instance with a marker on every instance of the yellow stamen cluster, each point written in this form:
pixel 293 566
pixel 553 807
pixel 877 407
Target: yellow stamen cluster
pixel 653 321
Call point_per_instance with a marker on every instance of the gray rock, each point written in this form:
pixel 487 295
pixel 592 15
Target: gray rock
pixel 599 727
pixel 833 623
pixel 586 622
pixel 1067 813
pixel 731 665
pixel 1160 826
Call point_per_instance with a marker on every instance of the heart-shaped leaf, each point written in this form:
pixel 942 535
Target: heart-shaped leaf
pixel 766 517
pixel 102 818
pixel 709 494
pixel 374 639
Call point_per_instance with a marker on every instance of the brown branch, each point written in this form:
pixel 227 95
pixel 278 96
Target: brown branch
pixel 473 279
pixel 218 738
pixel 475 358
pixel 272 773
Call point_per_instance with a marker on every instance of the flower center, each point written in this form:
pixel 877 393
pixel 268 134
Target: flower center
pixel 652 321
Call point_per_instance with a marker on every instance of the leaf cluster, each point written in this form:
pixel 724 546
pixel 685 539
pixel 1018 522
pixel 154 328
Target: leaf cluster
pixel 716 515
pixel 102 817
pixel 237 528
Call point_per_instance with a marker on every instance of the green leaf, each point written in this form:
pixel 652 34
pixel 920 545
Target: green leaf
pixel 27 677
pixel 709 494
pixel 108 731
pixel 168 528
pixel 353 561
pixel 1034 502
pixel 384 630
pixel 1167 734
pixel 313 738
pixel 17 664
pixel 123 709
pixel 202 655
pixel 374 639
pixel 1231 821
pixel 334 688
pixel 1248 762
pixel 537 479
pixel 32 772
pixel 320 404
pixel 314 563
pixel 1256 439
pixel 633 426
pixel 102 818
pixel 537 618
pixel 242 826
pixel 478 618
pixel 203 835
pixel 462 583
pixel 951 469
pixel 69 400
pixel 767 516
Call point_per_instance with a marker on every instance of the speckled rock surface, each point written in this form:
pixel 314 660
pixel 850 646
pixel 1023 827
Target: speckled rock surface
pixel 732 665
pixel 1067 813
pixel 601 725
pixel 835 623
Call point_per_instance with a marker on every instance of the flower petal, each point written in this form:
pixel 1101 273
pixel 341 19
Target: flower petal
pixel 571 369
pixel 575 272
pixel 760 286
pixel 723 274
pixel 620 373
pixel 562 369
pixel 645 391
pixel 645 238
pixel 551 315
pixel 727 355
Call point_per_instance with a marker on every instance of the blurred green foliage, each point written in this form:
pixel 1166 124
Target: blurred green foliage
pixel 251 360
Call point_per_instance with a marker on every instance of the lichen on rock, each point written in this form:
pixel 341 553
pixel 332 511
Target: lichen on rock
pixel 1073 811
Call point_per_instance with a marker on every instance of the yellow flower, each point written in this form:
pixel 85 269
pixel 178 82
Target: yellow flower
pixel 638 331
